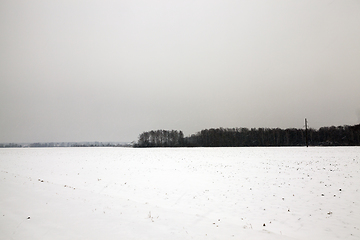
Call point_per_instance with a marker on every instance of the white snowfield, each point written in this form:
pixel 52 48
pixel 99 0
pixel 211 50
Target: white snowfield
pixel 180 193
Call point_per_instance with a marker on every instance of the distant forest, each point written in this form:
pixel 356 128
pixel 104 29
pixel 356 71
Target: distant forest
pixel 244 137
pixel 227 137
pixel 64 144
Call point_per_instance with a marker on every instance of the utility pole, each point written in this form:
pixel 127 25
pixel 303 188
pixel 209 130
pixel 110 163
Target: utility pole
pixel 306 133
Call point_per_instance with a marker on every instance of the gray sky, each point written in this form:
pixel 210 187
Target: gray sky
pixel 109 70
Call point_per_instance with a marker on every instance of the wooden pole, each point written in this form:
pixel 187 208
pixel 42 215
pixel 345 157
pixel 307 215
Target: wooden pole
pixel 306 133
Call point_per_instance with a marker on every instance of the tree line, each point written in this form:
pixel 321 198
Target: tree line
pixel 244 137
pixel 161 138
pixel 64 144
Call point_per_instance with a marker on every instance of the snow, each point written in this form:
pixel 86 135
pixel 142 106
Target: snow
pixel 180 193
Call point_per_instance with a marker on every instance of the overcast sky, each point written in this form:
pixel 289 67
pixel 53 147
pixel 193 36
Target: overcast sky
pixel 109 70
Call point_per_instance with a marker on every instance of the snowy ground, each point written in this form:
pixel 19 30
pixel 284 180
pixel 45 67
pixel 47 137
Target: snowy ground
pixel 180 193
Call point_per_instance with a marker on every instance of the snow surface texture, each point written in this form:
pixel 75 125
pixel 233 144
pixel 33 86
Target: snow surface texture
pixel 180 193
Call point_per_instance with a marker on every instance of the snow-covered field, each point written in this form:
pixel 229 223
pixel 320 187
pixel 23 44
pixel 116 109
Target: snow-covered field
pixel 180 193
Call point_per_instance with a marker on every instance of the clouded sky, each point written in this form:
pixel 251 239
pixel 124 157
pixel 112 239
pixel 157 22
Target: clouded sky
pixel 109 70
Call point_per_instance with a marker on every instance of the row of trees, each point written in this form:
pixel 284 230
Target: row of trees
pixel 161 138
pixel 64 144
pixel 239 137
